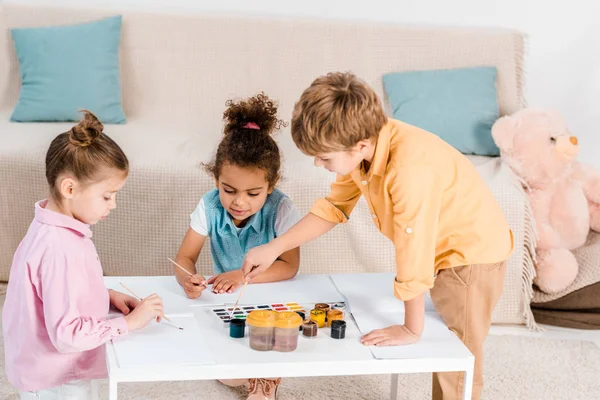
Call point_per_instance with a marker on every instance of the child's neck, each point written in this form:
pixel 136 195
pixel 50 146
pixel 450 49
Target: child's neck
pixel 369 155
pixel 240 224
pixel 57 208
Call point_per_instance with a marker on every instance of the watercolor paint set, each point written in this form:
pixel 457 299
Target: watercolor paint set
pixel 222 313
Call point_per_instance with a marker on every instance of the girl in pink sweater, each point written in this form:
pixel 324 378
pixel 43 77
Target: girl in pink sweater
pixel 55 314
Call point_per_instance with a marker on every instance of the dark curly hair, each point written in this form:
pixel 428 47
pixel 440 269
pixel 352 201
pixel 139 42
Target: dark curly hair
pixel 248 142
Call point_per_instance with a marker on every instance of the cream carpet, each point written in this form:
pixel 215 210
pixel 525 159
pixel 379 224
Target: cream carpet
pixel 516 368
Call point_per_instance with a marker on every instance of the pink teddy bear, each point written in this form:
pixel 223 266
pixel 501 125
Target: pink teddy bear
pixel 564 194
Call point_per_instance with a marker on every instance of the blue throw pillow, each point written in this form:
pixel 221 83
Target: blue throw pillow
pixel 67 68
pixel 459 105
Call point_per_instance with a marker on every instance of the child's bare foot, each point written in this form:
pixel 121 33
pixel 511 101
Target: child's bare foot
pixel 263 389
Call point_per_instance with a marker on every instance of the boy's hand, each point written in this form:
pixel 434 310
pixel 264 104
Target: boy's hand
pixel 227 282
pixel 395 335
pixel 148 309
pixel 258 260
pixel 194 285
pixel 122 302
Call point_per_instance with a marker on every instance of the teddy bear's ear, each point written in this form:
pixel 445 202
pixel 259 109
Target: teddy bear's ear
pixel 503 132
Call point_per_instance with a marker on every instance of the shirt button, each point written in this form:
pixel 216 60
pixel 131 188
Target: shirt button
pixel 118 331
pixel 364 182
pixel 374 216
pixel 409 230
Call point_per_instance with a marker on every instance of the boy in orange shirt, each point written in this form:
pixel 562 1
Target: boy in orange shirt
pixel 449 232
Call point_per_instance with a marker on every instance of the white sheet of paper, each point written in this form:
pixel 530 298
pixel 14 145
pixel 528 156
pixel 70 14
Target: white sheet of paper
pixel 161 344
pixel 436 341
pixel 175 302
pixel 309 288
pixel 370 292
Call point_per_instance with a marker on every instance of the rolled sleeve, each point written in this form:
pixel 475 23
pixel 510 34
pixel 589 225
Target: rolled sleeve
pixel 118 326
pixel 416 197
pixel 340 202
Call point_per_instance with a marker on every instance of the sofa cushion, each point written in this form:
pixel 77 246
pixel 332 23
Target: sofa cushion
pixel 67 68
pixel 579 309
pixel 459 105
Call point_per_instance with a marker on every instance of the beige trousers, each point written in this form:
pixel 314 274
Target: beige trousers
pixel 465 298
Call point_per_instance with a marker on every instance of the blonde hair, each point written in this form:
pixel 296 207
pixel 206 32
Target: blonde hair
pixel 336 112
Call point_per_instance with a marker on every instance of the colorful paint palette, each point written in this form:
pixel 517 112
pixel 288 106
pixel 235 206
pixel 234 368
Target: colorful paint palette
pixel 222 313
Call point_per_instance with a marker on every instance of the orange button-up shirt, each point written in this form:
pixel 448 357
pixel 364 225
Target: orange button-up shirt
pixel 429 200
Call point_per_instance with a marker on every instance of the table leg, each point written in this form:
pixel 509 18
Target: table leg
pixel 394 387
pixel 112 389
pixel 95 389
pixel 468 383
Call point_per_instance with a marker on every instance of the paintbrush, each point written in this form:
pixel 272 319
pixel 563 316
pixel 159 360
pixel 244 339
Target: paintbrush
pixel 187 272
pixel 238 299
pixel 140 299
pixel 240 296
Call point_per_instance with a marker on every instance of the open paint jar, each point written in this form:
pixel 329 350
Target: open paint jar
pixel 318 316
pixel 261 326
pixel 286 331
pixel 323 306
pixel 341 307
pixel 310 329
pixel 334 315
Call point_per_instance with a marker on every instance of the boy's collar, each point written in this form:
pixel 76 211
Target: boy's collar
pixel 382 152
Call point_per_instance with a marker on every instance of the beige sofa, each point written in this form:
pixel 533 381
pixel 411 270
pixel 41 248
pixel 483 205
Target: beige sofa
pixel 178 71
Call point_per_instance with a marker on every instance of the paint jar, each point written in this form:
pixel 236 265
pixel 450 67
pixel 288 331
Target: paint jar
pixel 237 328
pixel 323 306
pixel 334 315
pixel 286 331
pixel 309 329
pixel 338 329
pixel 318 316
pixel 303 316
pixel 341 307
pixel 261 325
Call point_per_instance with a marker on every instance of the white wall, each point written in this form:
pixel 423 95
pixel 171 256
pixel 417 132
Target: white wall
pixel 562 66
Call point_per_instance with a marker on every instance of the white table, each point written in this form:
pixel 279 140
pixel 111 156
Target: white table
pixel 320 356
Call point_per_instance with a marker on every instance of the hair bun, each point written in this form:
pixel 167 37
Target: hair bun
pixel 86 131
pixel 256 114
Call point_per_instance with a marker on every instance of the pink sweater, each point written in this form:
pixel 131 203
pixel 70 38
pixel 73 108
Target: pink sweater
pixel 55 314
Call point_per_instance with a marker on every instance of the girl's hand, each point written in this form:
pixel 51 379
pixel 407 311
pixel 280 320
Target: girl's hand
pixel 227 282
pixel 122 302
pixel 150 308
pixel 194 285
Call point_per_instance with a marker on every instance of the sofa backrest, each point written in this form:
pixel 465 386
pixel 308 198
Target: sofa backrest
pixel 187 66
